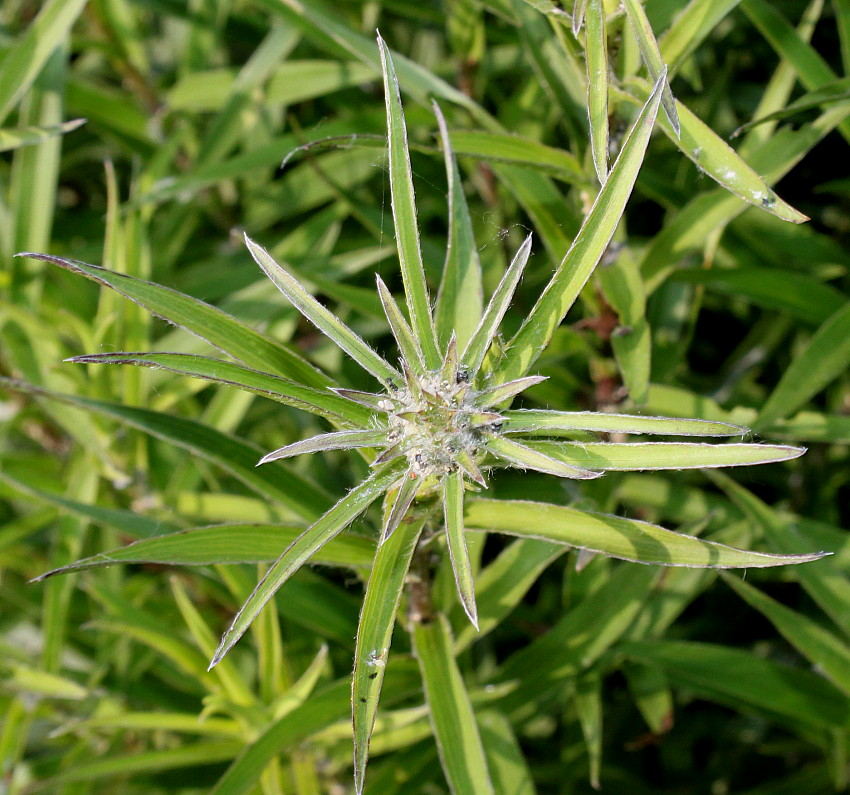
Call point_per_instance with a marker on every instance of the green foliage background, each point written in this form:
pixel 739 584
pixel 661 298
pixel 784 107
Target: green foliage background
pixel 648 680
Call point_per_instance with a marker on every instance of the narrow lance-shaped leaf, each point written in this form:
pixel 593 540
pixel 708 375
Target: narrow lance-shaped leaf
pixel 340 440
pixel 407 488
pixel 452 717
pixel 579 10
pixel 504 392
pixel 302 549
pixel 322 318
pixel 651 57
pixel 404 216
pixel 27 136
pixel 522 456
pixel 453 515
pixel 25 57
pixel 596 56
pixel 324 403
pixel 233 455
pixel 822 360
pixel 459 299
pixel 225 544
pixel 374 631
pixel 407 343
pixel 627 539
pixel 530 421
pixel 663 455
pixel 822 648
pixel 205 321
pixel 489 325
pixel 586 250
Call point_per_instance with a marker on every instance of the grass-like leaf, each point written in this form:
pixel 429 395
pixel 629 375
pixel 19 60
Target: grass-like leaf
pixel 27 136
pixel 302 549
pixel 233 455
pixel 226 544
pixel 455 729
pixel 404 216
pixel 586 250
pixel 339 440
pixel 407 343
pixel 207 322
pixel 520 455
pixel 664 455
pixel 529 421
pixel 628 539
pixel 821 361
pixel 799 698
pixel 822 648
pixel 505 391
pixel 459 299
pixel 651 57
pixel 481 340
pixel 402 499
pixel 596 55
pixel 461 567
pixel 324 403
pixel 322 318
pixel 375 629
pixel 25 58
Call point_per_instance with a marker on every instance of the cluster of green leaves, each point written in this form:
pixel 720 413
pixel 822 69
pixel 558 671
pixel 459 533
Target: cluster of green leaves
pixel 191 105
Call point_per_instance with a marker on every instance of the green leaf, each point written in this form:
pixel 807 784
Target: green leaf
pixel 404 216
pixel 374 631
pixel 339 440
pixel 588 706
pixel 453 516
pixel 509 769
pixel 25 58
pixel 823 649
pixel 799 294
pixel 229 452
pixel 319 711
pixel 596 54
pixel 827 583
pixel 820 362
pixel 523 456
pixel 130 522
pixel 586 250
pixel 27 136
pixel 652 57
pixel 487 329
pixel 509 148
pixel 323 319
pixel 741 680
pixel 530 421
pixel 324 403
pixel 501 586
pixel 207 322
pixel 628 539
pixel 452 718
pixel 637 456
pixel 691 27
pixel 122 766
pixel 226 544
pixel 407 344
pixel 459 299
pixel 302 549
pixel 583 634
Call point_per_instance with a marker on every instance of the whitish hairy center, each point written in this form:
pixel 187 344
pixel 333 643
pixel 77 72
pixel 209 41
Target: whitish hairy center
pixel 433 421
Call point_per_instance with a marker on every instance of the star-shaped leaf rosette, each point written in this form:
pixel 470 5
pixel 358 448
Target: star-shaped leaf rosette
pixel 437 423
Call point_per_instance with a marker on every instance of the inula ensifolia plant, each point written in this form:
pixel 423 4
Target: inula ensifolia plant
pixel 440 420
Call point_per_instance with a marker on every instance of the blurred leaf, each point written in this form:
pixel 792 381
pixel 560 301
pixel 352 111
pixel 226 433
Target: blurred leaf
pixel 824 358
